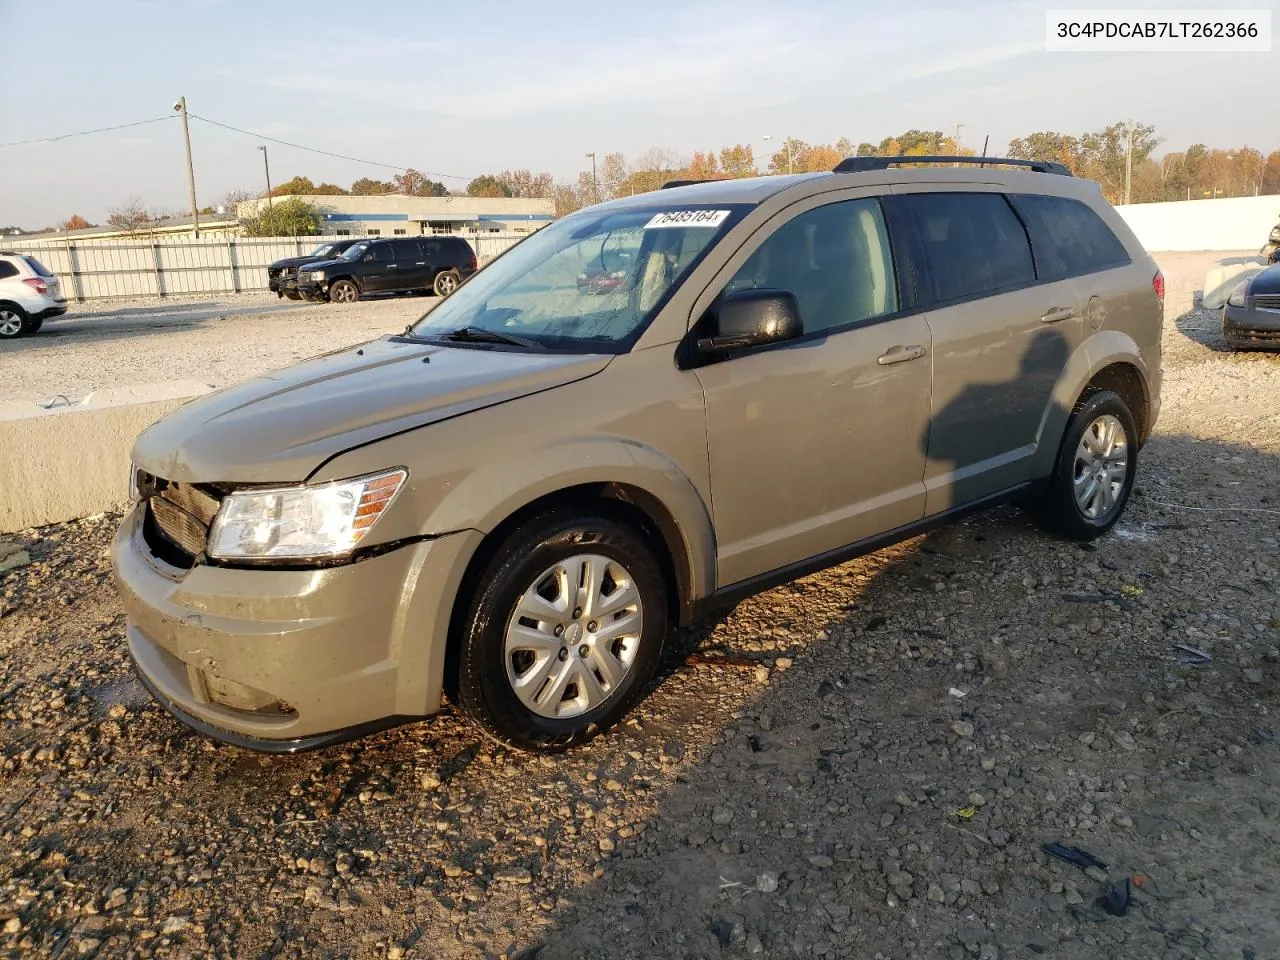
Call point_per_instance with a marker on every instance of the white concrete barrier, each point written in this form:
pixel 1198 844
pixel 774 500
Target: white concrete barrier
pixel 1230 223
pixel 72 460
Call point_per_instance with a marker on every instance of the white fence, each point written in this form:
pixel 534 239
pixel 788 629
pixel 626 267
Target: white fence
pixel 1228 223
pixel 176 266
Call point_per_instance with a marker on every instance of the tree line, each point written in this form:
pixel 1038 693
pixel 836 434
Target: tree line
pixel 1105 155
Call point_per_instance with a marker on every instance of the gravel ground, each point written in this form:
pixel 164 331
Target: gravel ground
pixel 860 764
pixel 219 340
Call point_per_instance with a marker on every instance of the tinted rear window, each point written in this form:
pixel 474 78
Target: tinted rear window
pixel 1069 238
pixel 407 250
pixel 7 269
pixel 972 244
pixel 37 266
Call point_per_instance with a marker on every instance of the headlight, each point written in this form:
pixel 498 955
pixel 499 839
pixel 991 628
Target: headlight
pixel 326 520
pixel 1238 294
pixel 317 274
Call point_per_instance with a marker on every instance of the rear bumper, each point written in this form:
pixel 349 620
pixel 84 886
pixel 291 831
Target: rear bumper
pixel 1251 326
pixel 56 310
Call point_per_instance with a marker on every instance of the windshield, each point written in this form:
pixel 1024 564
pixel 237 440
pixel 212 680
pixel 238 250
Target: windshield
pixel 321 251
pixel 356 252
pixel 591 281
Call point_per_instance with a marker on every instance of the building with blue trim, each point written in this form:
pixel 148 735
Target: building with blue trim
pixel 396 214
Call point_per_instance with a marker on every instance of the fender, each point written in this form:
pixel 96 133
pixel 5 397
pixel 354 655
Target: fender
pixel 498 489
pixel 1099 350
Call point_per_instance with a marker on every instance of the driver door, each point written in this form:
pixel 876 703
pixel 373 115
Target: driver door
pixel 378 269
pixel 818 442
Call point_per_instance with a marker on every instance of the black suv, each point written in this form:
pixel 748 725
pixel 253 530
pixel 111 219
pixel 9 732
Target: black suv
pixel 398 265
pixel 282 276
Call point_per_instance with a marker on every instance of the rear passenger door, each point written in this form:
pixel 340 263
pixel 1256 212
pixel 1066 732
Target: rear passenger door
pixel 1001 339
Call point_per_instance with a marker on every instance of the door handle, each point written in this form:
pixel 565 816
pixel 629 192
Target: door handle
pixel 393 266
pixel 901 354
pixel 421 263
pixel 1058 314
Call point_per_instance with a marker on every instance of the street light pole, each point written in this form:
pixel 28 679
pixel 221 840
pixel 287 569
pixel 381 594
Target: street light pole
pixel 267 170
pixel 957 140
pixel 181 107
pixel 790 160
pixel 595 184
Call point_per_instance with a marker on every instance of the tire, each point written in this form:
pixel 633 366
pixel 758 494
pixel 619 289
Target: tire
pixel 446 282
pixel 344 291
pixel 33 326
pixel 591 691
pixel 293 294
pixel 13 322
pixel 1110 459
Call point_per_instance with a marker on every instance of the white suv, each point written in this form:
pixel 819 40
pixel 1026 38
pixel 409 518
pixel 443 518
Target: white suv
pixel 29 294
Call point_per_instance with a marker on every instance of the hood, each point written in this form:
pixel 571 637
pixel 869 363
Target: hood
pixel 280 427
pixel 1268 281
pixel 295 261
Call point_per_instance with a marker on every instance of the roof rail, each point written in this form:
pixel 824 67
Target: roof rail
pixel 684 183
pixel 863 164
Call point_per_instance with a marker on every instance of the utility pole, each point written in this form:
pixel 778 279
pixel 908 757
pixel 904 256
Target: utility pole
pixel 957 140
pixel 180 105
pixel 1128 160
pixel 790 159
pixel 267 170
pixel 595 184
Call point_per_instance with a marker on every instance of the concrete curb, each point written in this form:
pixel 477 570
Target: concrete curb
pixel 61 463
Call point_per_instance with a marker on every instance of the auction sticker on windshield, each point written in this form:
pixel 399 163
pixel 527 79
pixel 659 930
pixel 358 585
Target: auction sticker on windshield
pixel 687 218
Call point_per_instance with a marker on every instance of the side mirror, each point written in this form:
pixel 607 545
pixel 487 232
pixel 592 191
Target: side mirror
pixel 753 318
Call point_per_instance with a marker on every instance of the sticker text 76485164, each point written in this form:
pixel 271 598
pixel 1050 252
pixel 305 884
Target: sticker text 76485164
pixel 687 218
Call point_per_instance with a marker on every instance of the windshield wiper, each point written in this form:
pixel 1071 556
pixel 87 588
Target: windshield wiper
pixel 480 335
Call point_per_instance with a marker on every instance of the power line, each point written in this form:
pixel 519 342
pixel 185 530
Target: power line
pixel 327 153
pixel 85 133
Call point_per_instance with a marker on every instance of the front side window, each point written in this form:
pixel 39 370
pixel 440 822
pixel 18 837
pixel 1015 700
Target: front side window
pixel 1069 238
pixel 972 244
pixel 591 281
pixel 835 259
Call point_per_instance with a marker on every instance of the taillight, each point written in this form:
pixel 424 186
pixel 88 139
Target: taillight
pixel 37 284
pixel 1157 284
pixel 475 263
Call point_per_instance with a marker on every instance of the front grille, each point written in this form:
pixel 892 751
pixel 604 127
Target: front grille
pixel 181 514
pixel 1267 301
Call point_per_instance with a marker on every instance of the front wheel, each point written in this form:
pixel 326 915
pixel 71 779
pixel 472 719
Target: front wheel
pixel 446 282
pixel 344 291
pixel 1094 473
pixel 564 632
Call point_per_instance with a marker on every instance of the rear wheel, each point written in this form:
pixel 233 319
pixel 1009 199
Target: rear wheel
pixel 13 322
pixel 344 291
pixel 564 632
pixel 446 282
pixel 1094 473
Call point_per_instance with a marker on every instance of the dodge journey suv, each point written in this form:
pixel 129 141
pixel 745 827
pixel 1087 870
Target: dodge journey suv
pixel 512 502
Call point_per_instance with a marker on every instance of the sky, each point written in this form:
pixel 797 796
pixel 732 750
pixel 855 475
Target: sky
pixel 540 85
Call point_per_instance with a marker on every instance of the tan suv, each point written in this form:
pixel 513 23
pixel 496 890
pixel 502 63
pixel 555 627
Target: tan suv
pixel 513 501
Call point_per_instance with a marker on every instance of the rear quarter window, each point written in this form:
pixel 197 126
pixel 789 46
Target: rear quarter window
pixel 38 267
pixel 7 269
pixel 1068 238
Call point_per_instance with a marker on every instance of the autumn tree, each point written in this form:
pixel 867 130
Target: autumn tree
pixel 293 217
pixel 487 185
pixel 364 187
pixel 612 175
pixel 704 166
pixel 523 183
pixel 567 199
pixel 329 190
pixel 415 183
pixel 76 222
pixel 738 161
pixel 1047 146
pixel 796 156
pixel 297 187
pixel 134 218
pixel 1271 173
